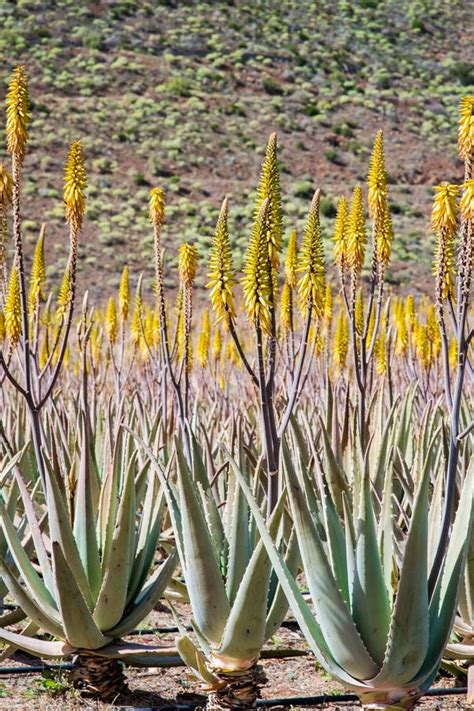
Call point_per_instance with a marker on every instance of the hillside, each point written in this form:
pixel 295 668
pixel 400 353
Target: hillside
pixel 184 95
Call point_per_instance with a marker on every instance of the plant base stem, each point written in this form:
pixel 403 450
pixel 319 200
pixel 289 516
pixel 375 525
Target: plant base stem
pixel 96 677
pixel 241 690
pixel 392 700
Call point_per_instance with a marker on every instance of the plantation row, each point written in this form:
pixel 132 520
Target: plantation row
pixel 297 432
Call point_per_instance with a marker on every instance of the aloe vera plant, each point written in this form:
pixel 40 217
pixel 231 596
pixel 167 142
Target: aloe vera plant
pixel 236 600
pixel 374 626
pixel 94 581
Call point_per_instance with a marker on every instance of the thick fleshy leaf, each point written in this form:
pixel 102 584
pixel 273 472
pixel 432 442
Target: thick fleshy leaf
pixel 301 610
pixel 137 654
pixel 237 531
pixel 279 604
pixel 244 632
pixel 333 615
pixel 29 631
pixel 147 600
pixel 84 515
pixel 62 534
pixel 36 534
pixel 35 646
pixel 370 602
pixel 443 603
pixel 201 569
pixel 35 586
pixel 116 567
pixel 195 660
pixel 80 629
pixel 409 628
pixel 40 612
pixel 148 535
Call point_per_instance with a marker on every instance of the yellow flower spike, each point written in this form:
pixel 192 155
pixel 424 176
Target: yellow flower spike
pixel 319 344
pixel 285 308
pixel 256 282
pixel 341 342
pixel 359 312
pixel 2 326
pixel 180 324
pixel 453 353
pixel 328 305
pixel 443 216
pixel 124 294
pixel 432 331
pixel 156 326
pixel 409 310
pixel 312 282
pixel 67 357
pixel 444 266
pixel 6 187
pixel 377 179
pixel 43 354
pixel 217 345
pixel 340 234
pixel 64 295
pixel 221 271
pixel 401 340
pixel 17 113
pixel 222 379
pixel 371 326
pixel 356 233
pixel 291 260
pixel 187 264
pixel 111 321
pixel 422 344
pixel 96 345
pixel 38 275
pixel 148 329
pixel 384 237
pixel 466 205
pixel 202 354
pixel 381 349
pixel 136 324
pixel 75 182
pixel 466 128
pixel 269 189
pixel 156 206
pixel 443 222
pixel 13 323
